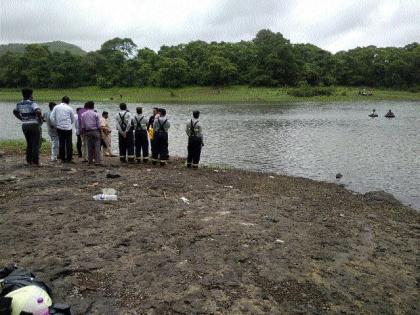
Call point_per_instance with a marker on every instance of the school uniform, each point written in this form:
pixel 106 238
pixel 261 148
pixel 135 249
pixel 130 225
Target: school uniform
pixel 195 142
pixel 124 121
pixel 161 126
pixel 141 137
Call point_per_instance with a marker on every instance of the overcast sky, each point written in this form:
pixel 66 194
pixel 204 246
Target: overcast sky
pixel 330 24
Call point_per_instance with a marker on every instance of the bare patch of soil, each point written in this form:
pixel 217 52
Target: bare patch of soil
pixel 246 243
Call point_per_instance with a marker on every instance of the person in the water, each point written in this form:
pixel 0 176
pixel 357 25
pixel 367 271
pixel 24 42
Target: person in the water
pixel 390 114
pixel 374 114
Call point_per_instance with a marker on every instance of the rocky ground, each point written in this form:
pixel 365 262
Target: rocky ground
pixel 240 243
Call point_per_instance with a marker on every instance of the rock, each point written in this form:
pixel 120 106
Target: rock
pixel 113 175
pixel 7 179
pixel 338 175
pixel 1 154
pixel 381 196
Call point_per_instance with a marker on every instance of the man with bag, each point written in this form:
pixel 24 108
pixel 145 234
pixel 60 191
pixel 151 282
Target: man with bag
pixel 29 113
pixel 161 126
pixel 141 136
pixel 195 140
pixel 124 121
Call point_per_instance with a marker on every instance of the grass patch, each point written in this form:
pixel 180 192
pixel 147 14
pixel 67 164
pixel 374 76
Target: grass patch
pixel 309 91
pixel 197 95
pixel 19 146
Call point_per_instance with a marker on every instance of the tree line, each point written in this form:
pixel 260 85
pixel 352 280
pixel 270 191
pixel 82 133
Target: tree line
pixel 267 60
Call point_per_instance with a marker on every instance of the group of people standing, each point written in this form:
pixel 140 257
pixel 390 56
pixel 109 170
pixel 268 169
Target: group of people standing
pixel 94 133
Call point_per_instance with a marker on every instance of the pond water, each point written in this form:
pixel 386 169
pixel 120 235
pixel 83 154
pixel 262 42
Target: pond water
pixel 307 139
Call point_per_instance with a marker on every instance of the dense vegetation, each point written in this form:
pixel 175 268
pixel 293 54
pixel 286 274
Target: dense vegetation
pixel 268 60
pixel 56 46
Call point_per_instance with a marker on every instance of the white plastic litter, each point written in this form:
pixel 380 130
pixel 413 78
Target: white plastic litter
pixel 108 194
pixel 229 187
pixel 185 200
pixel 279 241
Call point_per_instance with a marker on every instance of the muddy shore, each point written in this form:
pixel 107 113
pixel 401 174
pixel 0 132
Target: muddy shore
pixel 242 242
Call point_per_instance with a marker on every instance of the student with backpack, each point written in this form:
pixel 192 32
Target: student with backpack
pixel 124 122
pixel 161 126
pixel 195 140
pixel 141 136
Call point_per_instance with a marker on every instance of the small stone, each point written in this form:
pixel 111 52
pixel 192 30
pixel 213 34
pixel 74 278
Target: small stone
pixel 113 175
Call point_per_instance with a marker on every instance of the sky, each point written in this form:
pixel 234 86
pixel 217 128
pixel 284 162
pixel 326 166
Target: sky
pixel 333 25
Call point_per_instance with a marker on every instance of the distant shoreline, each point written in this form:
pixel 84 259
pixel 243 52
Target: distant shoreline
pixel 205 95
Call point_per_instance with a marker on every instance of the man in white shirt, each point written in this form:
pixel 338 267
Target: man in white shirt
pixel 62 117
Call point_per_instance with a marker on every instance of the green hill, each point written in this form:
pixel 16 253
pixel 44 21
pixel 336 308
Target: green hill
pixel 56 46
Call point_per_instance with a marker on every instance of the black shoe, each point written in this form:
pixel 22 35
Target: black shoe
pixel 154 162
pixel 162 163
pixel 188 165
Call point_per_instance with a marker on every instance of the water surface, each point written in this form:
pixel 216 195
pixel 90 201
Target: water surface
pixel 306 139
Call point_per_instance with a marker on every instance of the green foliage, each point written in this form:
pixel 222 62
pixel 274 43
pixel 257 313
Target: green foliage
pixel 220 71
pixel 57 46
pixel 173 72
pixel 269 60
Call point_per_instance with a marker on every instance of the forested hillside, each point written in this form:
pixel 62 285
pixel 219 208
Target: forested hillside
pixel 267 60
pixel 56 46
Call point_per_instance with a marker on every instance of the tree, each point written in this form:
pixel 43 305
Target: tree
pixel 173 72
pixel 126 46
pixel 220 71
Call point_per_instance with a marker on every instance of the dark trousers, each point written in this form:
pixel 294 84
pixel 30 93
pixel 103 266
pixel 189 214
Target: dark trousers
pixel 32 136
pixel 79 145
pixel 161 151
pixel 194 150
pixel 142 144
pixel 65 145
pixel 126 146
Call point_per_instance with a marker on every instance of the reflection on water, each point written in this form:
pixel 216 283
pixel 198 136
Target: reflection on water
pixel 309 140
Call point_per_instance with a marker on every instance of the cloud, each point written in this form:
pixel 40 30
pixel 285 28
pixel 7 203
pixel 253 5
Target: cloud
pixel 330 24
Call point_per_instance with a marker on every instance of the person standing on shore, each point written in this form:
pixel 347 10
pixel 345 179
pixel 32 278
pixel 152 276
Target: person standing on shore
pixel 62 117
pixel 78 132
pixel 82 137
pixel 91 128
pixel 124 122
pixel 150 129
pixel 106 135
pixel 52 131
pixel 30 114
pixel 141 136
pixel 195 140
pixel 161 126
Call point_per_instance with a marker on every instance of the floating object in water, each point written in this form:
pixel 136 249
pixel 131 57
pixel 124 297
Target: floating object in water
pixel 373 114
pixel 338 175
pixel 390 114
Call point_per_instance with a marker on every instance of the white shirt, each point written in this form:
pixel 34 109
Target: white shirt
pixel 62 117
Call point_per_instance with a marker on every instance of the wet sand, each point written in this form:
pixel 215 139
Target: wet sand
pixel 243 243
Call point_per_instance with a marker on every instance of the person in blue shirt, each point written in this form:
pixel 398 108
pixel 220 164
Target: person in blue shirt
pixel 30 114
